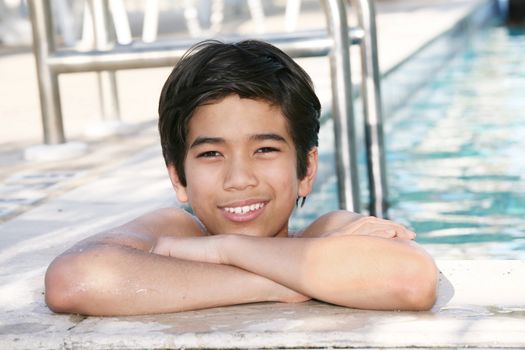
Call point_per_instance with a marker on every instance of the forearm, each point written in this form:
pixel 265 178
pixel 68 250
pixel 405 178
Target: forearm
pixel 356 271
pixel 117 280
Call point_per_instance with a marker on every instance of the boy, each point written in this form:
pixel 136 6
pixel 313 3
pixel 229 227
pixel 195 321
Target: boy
pixel 238 126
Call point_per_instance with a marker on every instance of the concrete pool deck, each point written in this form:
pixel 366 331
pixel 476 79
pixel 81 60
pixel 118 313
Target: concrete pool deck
pixel 481 302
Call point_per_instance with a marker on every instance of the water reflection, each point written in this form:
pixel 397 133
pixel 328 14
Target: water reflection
pixel 456 160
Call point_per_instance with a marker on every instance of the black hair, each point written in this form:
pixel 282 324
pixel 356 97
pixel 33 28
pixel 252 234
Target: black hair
pixel 212 70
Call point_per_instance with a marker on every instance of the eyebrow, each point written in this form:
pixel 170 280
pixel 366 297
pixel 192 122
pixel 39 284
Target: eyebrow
pixel 268 136
pixel 219 140
pixel 206 139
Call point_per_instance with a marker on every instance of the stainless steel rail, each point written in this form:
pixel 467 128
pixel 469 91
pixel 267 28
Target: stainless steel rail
pixel 51 62
pixel 44 47
pixel 372 108
pixel 103 40
pixel 342 107
pixel 136 55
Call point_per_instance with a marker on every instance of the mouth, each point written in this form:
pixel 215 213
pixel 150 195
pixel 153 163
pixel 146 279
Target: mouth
pixel 243 212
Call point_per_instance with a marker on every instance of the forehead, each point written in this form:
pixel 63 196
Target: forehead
pixel 233 117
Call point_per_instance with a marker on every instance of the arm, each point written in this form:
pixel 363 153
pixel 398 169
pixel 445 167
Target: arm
pixel 341 266
pixel 114 273
pixel 343 222
pixel 355 271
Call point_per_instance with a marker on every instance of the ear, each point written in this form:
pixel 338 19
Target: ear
pixel 182 194
pixel 306 184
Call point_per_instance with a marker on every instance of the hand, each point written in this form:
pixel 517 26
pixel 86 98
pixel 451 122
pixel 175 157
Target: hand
pixel 372 226
pixel 202 249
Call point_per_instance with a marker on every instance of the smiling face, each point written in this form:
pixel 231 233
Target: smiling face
pixel 241 168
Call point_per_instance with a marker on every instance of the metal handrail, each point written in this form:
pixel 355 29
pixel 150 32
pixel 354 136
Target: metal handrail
pixel 51 62
pixel 44 47
pixel 372 109
pixel 137 55
pixel 107 80
pixel 342 107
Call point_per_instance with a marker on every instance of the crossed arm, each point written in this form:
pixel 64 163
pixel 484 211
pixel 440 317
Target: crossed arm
pixel 148 266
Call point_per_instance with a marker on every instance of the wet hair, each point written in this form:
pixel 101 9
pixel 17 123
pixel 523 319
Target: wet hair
pixel 212 70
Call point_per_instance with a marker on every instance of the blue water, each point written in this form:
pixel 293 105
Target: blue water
pixel 456 154
pixel 456 151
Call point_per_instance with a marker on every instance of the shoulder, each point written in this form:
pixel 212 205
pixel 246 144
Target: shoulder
pixel 149 227
pixel 141 234
pixel 329 222
pixel 170 222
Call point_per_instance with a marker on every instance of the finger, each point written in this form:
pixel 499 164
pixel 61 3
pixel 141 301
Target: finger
pixel 377 231
pixel 406 234
pixel 384 233
pixel 386 229
pixel 401 230
pixel 373 226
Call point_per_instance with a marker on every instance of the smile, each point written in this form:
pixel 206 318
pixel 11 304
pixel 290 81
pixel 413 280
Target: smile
pixel 244 212
pixel 244 209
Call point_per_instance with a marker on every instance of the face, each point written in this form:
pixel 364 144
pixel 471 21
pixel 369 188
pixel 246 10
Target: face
pixel 241 168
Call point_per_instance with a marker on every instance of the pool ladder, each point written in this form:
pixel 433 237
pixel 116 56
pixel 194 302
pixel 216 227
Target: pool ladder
pixel 106 58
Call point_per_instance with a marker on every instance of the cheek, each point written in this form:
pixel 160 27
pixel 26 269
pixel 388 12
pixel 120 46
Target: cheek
pixel 283 178
pixel 199 184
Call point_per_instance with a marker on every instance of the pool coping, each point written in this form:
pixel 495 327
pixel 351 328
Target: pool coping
pixel 458 320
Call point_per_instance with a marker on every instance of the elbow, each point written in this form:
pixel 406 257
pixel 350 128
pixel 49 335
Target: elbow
pixel 62 283
pixel 421 296
pixel 75 283
pixel 419 290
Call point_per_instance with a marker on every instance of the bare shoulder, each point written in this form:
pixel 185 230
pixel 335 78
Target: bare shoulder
pixel 329 222
pixel 142 232
pixel 167 222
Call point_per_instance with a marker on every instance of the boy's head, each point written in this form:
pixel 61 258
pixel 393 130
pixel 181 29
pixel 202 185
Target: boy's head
pixel 212 70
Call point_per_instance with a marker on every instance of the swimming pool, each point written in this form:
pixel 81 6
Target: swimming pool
pixel 455 154
pixel 455 151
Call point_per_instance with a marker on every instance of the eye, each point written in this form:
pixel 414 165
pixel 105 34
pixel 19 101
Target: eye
pixel 267 150
pixel 209 154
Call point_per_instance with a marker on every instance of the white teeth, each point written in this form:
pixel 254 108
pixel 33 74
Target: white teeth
pixel 244 209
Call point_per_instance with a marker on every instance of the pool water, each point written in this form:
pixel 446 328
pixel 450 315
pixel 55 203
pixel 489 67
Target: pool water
pixel 456 151
pixel 456 154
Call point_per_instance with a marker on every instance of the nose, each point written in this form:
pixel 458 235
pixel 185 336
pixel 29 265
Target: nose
pixel 240 174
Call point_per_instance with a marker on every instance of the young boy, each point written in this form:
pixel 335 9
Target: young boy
pixel 238 127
